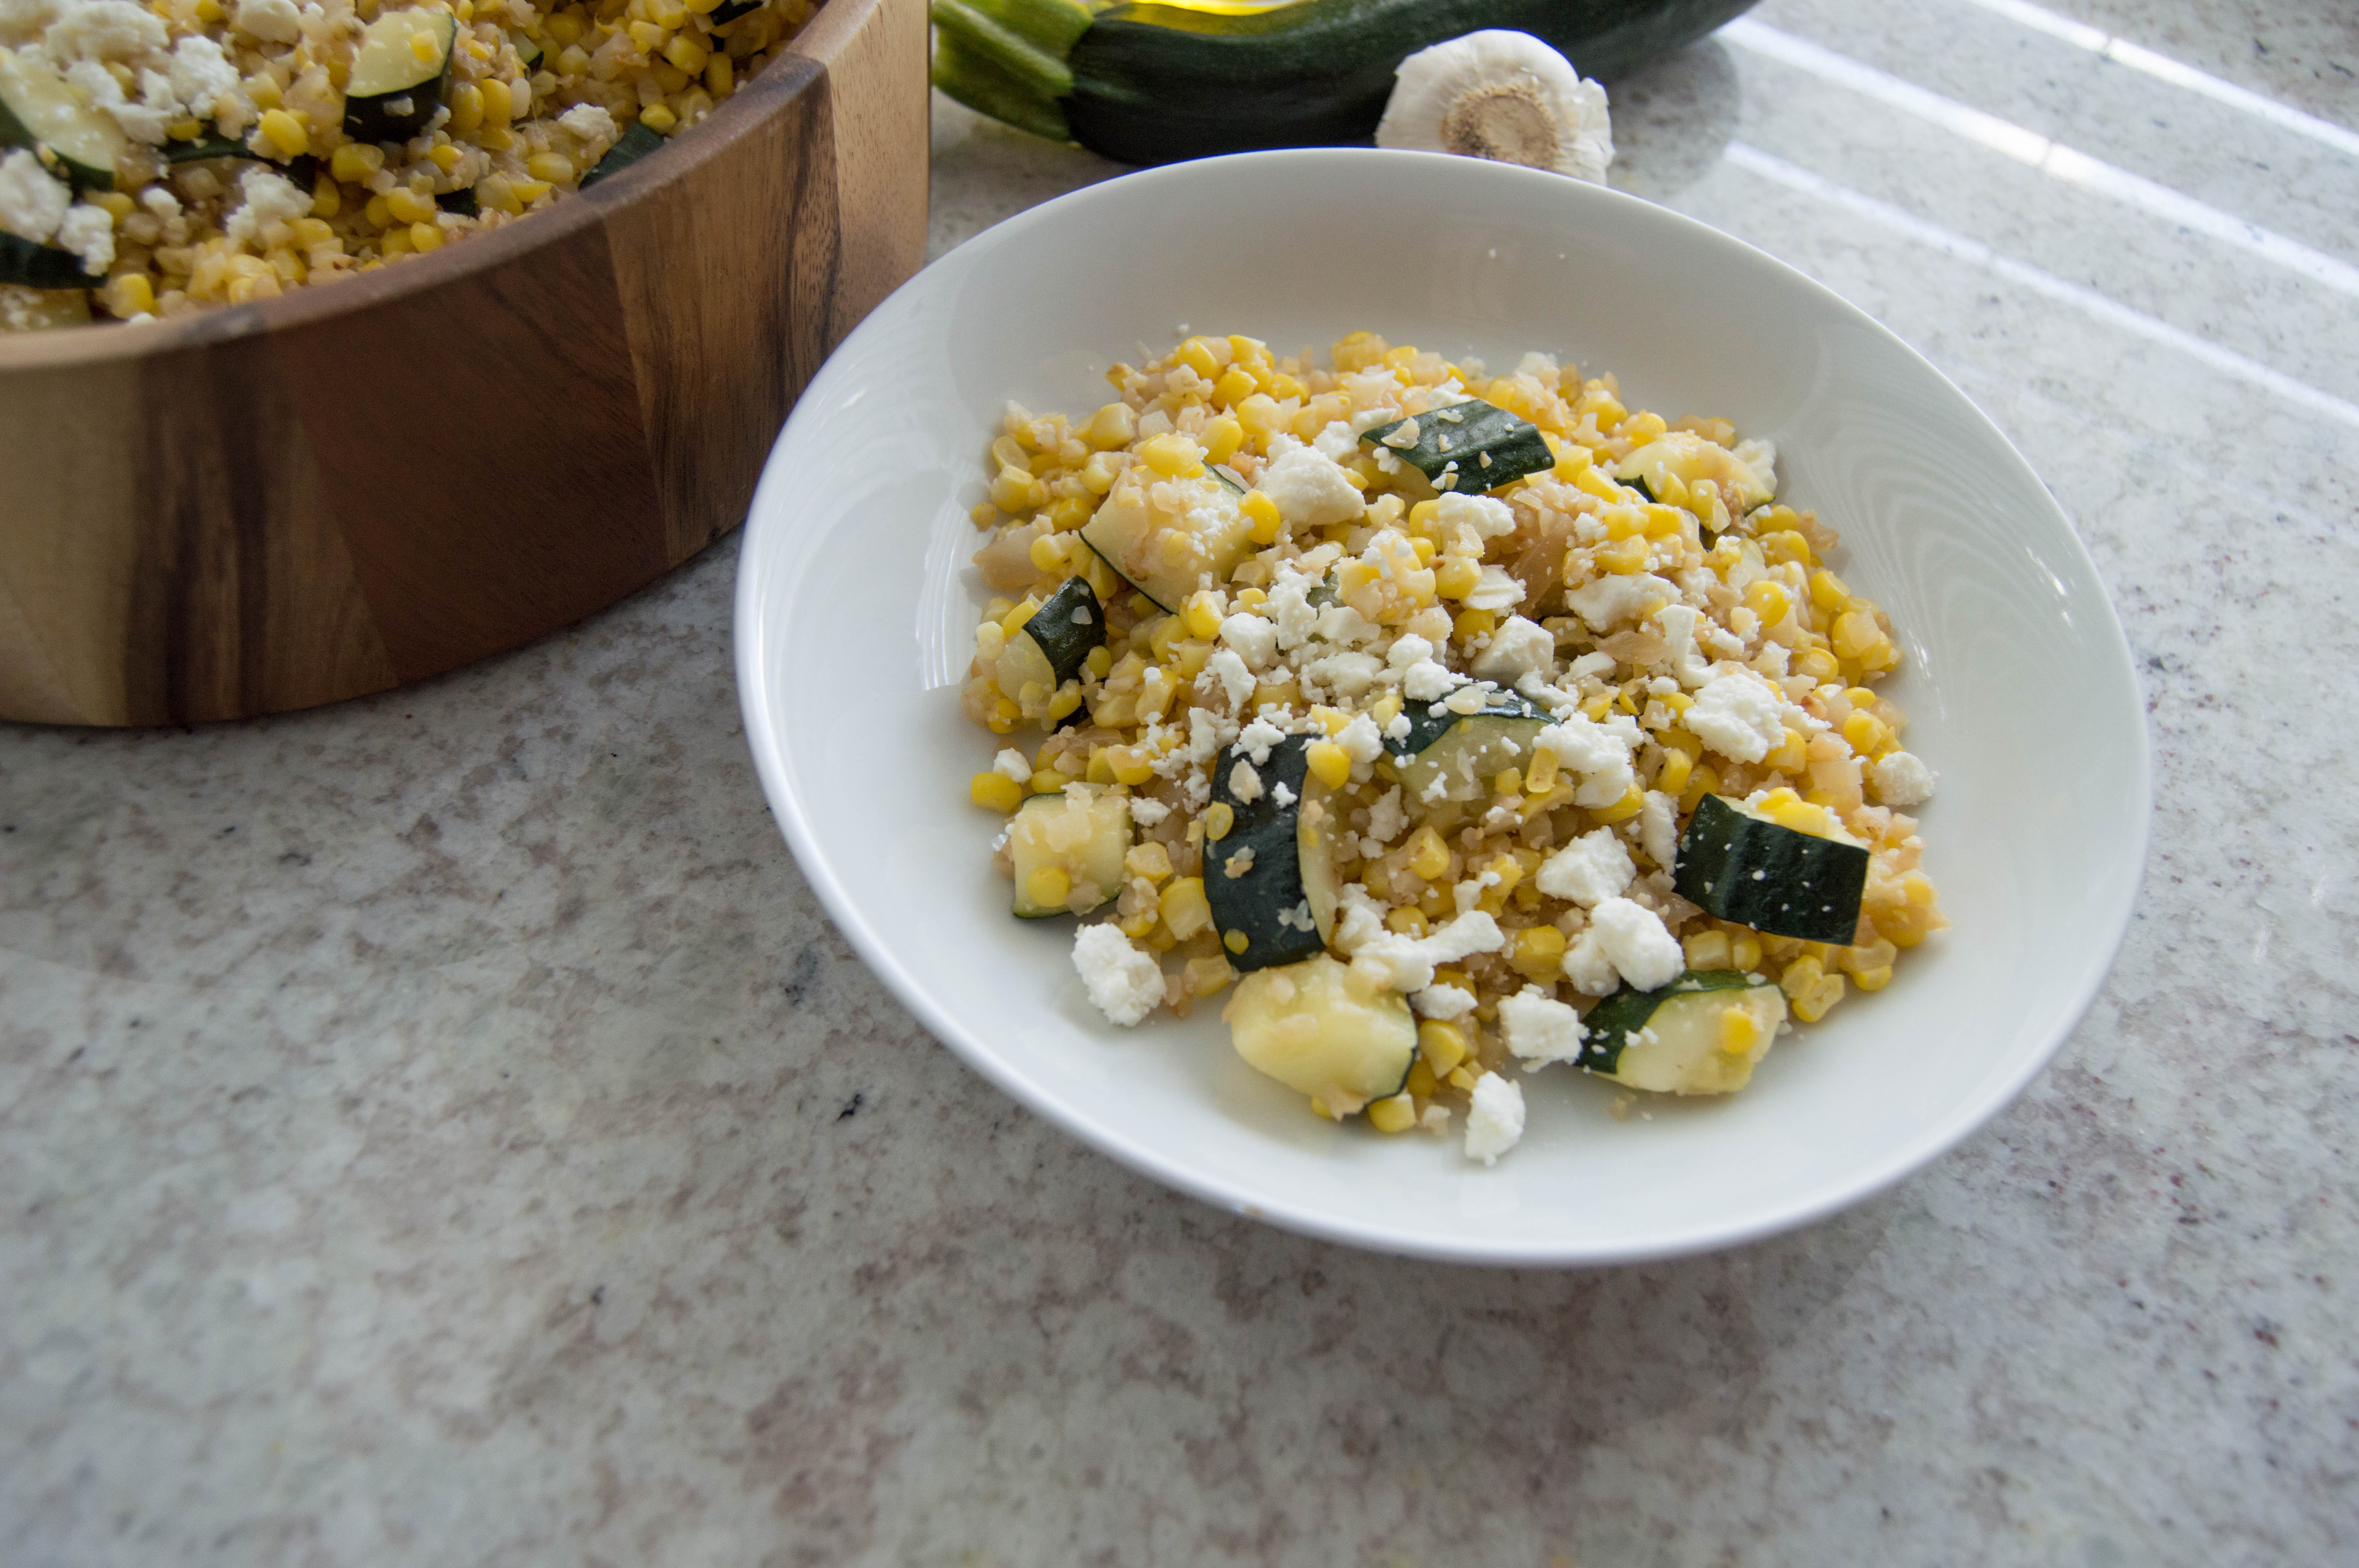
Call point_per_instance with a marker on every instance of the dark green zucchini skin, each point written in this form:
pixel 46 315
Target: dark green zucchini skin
pixel 30 265
pixel 1251 903
pixel 1067 626
pixel 635 143
pixel 1157 85
pixel 1514 447
pixel 1425 726
pixel 1612 1021
pixel 1771 878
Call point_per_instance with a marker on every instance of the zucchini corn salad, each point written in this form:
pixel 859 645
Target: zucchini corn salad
pixel 1451 724
pixel 159 157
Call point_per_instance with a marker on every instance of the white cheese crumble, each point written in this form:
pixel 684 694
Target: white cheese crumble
pixel 1539 1029
pixel 1738 715
pixel 1311 490
pixel 1641 948
pixel 1360 741
pixel 1336 441
pixel 1901 778
pixel 103 30
pixel 277 21
pixel 1123 983
pixel 1519 647
pixel 204 79
pixel 88 232
pixel 31 203
pixel 589 122
pixel 1254 638
pixel 1147 813
pixel 1589 870
pixel 1444 1002
pixel 1281 794
pixel 1659 828
pixel 1225 674
pixel 1488 518
pixel 1494 1122
pixel 1407 964
pixel 1612 600
pixel 269 198
pixel 1386 818
pixel 1010 763
pixel 1599 754
pixel 1256 737
pixel 1495 589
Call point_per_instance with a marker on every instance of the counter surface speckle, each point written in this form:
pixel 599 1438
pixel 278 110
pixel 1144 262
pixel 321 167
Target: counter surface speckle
pixel 444 1128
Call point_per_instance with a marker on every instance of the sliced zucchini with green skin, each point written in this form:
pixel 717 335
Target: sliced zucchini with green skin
pixel 208 147
pixel 1688 456
pixel 37 110
pixel 1325 1030
pixel 1464 751
pixel 729 11
pixel 635 143
pixel 1678 1039
pixel 528 48
pixel 1468 447
pixel 1065 628
pixel 395 86
pixel 1253 873
pixel 31 264
pixel 1753 871
pixel 462 201
pixel 1318 852
pixel 50 307
pixel 1166 558
pixel 1084 833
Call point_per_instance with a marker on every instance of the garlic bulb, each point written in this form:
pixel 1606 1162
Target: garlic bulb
pixel 1503 95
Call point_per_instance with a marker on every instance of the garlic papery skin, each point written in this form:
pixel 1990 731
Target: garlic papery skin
pixel 1501 95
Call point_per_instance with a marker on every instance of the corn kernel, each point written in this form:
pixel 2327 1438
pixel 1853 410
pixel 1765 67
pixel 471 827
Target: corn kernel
pixel 407 206
pixel 1202 614
pixel 1475 622
pixel 1739 1030
pixel 466 106
pixel 1768 600
pixel 1455 577
pixel 1822 994
pixel 1539 953
pixel 1428 857
pixel 1443 1046
pixel 1172 455
pixel 1234 941
pixel 1597 483
pixel 1218 821
pixel 1048 781
pixel 1629 806
pixel 555 168
pixel 499 102
pixel 129 293
pixel 684 53
pixel 1706 949
pixel 720 76
pixel 996 790
pixel 1330 763
pixel 1624 558
pixel 1408 920
pixel 1185 910
pixel 424 237
pixel 1048 887
pixel 1398 1114
pixel 1460 1079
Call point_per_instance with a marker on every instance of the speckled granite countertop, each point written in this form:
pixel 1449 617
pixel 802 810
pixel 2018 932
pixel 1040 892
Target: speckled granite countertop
pixel 444 1129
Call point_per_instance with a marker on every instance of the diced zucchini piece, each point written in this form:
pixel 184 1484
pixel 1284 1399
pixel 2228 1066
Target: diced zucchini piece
pixel 1318 850
pixel 1689 457
pixel 1468 447
pixel 1464 751
pixel 37 110
pixel 1253 873
pixel 1167 555
pixel 730 10
pixel 205 148
pixel 1746 869
pixel 31 264
pixel 1699 1036
pixel 45 307
pixel 1081 836
pixel 528 48
pixel 1325 1032
pixel 397 74
pixel 462 201
pixel 635 143
pixel 1067 627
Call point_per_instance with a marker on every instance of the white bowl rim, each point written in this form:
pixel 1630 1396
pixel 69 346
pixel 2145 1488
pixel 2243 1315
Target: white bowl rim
pixel 885 961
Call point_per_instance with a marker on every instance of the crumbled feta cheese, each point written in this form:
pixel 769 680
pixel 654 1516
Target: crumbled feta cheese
pixel 1245 784
pixel 1337 441
pixel 1147 813
pixel 1901 779
pixel 1737 715
pixel 1427 679
pixel 1589 665
pixel 275 20
pixel 1540 1029
pixel 103 30
pixel 1346 627
pixel 1613 599
pixel 1386 818
pixel 1311 490
pixel 1255 639
pixel 1225 674
pixel 268 198
pixel 202 77
pixel 1589 870
pixel 1659 828
pixel 1679 623
pixel 1443 1002
pixel 1123 983
pixel 1360 741
pixel 1011 763
pixel 1587 967
pixel 1347 675
pixel 589 121
pixel 1599 754
pixel 1408 649
pixel 88 232
pixel 1518 648
pixel 1405 964
pixel 1760 455
pixel 1490 519
pixel 1257 738
pixel 1495 589
pixel 1494 1122
pixel 32 204
pixel 1281 794
pixel 160 203
pixel 1290 614
pixel 1641 948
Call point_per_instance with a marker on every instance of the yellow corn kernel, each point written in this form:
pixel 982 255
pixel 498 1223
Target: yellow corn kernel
pixel 1824 993
pixel 1172 455
pixel 1786 545
pixel 1398 1114
pixel 1068 699
pixel 1677 766
pixel 1185 910
pixel 1048 887
pixel 1236 940
pixel 1048 781
pixel 1706 949
pixel 1428 857
pixel 528 191
pixel 1800 975
pixel 1789 756
pixel 1817 663
pixel 355 161
pixel 445 158
pixel 1866 733
pixel 499 100
pixel 1330 763
pixel 996 790
pixel 1855 632
pixel 1222 437
pixel 1572 459
pixel 423 45
pixel 647 38
pixel 1408 920
pixel 1641 428
pixel 1629 806
pixel 1262 513
pixel 1460 1079
pixel 1600 484
pixel 684 52
pixel 720 76
pixel 1149 859
pixel 407 205
pixel 1233 388
pixel 1421 1080
pixel 1509 781
pixel 1475 622
pixel 128 294
pixel 1827 592
pixel 1624 558
pixel 1539 953
pixel 466 106
pixel 1218 820
pixel 1047 552
pixel 1768 600
pixel 117 203
pixel 556 168
pixel 1440 1045
pixel 1455 577
pixel 394 241
pixel 1202 614
pixel 1739 1030
pixel 327 197
pixel 424 237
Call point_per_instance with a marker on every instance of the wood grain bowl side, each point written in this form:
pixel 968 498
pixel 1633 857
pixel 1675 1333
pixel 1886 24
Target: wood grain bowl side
pixel 275 506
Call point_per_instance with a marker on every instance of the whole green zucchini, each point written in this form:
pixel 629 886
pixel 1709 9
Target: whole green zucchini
pixel 1160 83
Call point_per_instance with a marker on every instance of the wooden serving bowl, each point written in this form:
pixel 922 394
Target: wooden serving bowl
pixel 272 505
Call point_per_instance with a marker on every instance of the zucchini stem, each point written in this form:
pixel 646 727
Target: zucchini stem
pixel 1018 40
pixel 977 80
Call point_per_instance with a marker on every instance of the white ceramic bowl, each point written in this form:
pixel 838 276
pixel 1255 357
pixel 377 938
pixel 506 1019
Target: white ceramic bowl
pixel 856 605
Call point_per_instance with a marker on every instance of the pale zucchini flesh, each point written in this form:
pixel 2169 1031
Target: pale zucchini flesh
pixel 395 84
pixel 37 110
pixel 1168 555
pixel 1324 1031
pixel 1678 1040
pixel 1084 833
